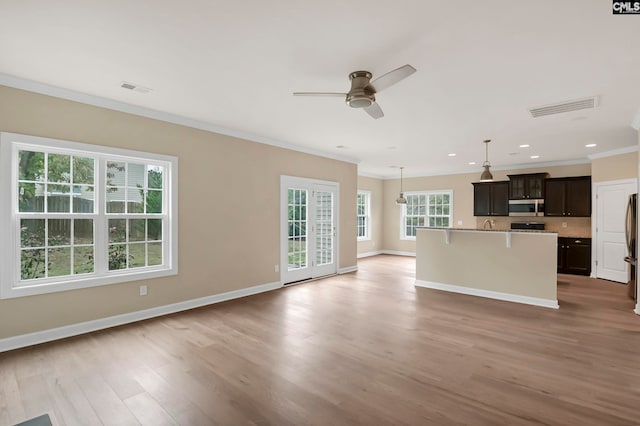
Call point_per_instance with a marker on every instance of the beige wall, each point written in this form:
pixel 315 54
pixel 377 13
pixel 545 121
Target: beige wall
pixel 623 166
pixel 228 208
pixel 462 200
pixel 376 242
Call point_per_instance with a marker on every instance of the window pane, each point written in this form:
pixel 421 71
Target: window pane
pixel 135 175
pixel 154 229
pixel 32 264
pixel 117 257
pixel 83 231
pixel 137 231
pixel 115 173
pixel 83 199
pixel 59 168
pixel 154 201
pixel 31 165
pixel 83 170
pixel 115 200
pixel 32 232
pixel 59 262
pixel 59 232
pixel 155 253
pixel 137 255
pixel 83 260
pixel 445 198
pixel 117 230
pixel 134 200
pixel 30 197
pixel 154 177
pixel 58 198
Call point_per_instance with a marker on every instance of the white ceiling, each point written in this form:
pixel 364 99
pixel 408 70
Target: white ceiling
pixel 234 64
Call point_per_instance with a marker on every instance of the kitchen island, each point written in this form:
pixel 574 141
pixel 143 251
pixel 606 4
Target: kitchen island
pixel 517 266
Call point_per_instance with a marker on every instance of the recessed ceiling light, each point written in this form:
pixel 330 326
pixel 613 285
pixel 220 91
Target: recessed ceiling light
pixel 535 156
pixel 340 146
pixel 452 154
pixel 591 145
pixel 526 145
pixel 471 163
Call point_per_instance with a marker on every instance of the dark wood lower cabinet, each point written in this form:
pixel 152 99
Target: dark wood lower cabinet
pixel 574 256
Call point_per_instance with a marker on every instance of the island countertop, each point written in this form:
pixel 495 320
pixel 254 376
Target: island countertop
pixel 491 230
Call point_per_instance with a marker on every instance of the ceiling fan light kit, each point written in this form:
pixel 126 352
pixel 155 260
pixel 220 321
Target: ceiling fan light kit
pixel 363 90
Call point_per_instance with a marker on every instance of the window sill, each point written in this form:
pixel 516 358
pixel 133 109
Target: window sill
pixel 9 292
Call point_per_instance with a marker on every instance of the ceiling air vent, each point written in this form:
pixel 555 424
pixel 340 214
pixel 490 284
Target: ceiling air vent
pixel 578 104
pixel 134 87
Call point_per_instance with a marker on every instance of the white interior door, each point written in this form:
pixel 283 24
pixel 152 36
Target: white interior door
pixel 610 243
pixel 308 228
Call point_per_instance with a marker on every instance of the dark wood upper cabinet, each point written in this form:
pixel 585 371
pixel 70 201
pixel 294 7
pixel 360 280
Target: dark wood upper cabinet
pixel 491 198
pixel 568 197
pixel 527 186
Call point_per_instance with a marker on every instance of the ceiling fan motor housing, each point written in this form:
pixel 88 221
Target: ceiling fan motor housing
pixel 361 94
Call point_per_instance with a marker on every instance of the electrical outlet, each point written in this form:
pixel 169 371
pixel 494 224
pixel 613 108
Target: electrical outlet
pixel 564 224
pixel 143 290
pixel 276 268
pixel 459 223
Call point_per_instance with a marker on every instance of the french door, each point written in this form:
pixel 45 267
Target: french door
pixel 308 228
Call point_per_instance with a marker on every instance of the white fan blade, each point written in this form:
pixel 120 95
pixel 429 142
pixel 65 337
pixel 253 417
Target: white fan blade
pixel 392 77
pixel 318 94
pixel 374 111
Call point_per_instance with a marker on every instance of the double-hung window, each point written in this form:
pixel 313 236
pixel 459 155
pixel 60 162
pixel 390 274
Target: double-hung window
pixel 429 208
pixel 78 215
pixel 364 219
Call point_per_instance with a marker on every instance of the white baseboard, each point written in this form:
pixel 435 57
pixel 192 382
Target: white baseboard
pixel 348 269
pixel 30 339
pixel 637 310
pixel 489 294
pixel 399 253
pixel 369 254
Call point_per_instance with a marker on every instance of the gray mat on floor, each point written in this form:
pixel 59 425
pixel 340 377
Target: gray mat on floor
pixel 42 420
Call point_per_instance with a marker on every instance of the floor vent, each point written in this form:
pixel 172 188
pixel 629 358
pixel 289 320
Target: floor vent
pixel 559 108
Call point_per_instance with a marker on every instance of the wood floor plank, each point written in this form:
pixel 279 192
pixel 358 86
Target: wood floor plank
pixel 148 411
pixel 366 348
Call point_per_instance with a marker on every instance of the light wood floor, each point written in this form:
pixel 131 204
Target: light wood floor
pixel 365 348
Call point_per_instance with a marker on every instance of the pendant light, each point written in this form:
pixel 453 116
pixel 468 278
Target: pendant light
pixel 401 199
pixel 486 174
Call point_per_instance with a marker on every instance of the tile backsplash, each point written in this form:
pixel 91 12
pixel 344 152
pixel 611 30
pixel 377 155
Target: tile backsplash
pixel 576 227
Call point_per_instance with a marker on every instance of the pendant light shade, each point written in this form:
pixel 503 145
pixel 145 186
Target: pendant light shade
pixel 401 199
pixel 486 173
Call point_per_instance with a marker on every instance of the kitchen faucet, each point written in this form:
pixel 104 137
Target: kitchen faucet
pixel 489 222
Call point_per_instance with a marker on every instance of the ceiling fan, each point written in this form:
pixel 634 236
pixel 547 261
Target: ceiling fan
pixel 363 90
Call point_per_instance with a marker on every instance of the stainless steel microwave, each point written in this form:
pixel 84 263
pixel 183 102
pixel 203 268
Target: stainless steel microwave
pixel 526 207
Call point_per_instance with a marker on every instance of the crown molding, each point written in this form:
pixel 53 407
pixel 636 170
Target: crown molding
pixel 619 151
pixel 493 168
pixel 636 121
pixel 72 95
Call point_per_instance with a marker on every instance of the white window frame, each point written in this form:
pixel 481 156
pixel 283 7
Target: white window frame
pixel 403 211
pixel 11 285
pixel 367 215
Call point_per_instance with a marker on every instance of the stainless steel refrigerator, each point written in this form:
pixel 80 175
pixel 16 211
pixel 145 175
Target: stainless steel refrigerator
pixel 631 231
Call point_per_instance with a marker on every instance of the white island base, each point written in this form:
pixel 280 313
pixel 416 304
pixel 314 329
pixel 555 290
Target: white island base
pixel 517 266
